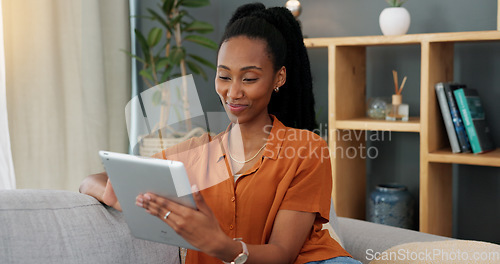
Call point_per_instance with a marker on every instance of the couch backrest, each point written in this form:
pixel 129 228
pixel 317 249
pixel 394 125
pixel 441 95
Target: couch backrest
pixel 48 226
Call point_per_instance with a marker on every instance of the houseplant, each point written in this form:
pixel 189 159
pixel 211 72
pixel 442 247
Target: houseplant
pixel 164 56
pixel 395 19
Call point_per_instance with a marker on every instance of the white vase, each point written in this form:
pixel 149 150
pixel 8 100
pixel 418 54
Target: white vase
pixel 394 21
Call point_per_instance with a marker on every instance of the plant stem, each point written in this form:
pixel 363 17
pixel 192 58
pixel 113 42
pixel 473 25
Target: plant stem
pixel 178 40
pixel 153 68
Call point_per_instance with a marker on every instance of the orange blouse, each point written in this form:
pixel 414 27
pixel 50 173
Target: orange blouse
pixel 294 173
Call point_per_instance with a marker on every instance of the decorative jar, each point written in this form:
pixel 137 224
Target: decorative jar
pixel 376 107
pixel 391 204
pixel 397 111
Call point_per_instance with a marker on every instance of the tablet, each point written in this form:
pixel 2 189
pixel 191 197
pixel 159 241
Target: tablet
pixel 133 175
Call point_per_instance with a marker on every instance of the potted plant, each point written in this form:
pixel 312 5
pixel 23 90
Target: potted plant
pixel 394 20
pixel 164 57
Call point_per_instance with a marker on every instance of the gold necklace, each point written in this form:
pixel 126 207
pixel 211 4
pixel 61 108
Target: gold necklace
pixel 245 161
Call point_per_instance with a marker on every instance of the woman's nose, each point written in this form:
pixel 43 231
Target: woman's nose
pixel 235 91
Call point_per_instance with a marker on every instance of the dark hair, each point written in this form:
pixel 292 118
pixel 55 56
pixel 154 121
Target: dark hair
pixel 294 103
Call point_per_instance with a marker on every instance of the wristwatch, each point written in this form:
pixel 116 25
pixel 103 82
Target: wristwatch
pixel 242 257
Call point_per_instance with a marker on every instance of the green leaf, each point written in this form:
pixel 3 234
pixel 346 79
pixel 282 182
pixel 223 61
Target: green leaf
pixel 134 56
pixel 193 3
pixel 193 67
pixel 162 63
pixel 167 6
pixel 176 19
pixel 156 99
pixel 143 43
pixel 154 36
pixel 159 18
pixel 176 55
pixel 203 61
pixel 199 26
pixel 202 41
pixel 395 3
pixel 146 73
pixel 196 69
pixel 165 76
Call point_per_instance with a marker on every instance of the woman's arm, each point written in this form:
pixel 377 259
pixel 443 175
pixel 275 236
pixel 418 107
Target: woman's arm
pixel 290 231
pixel 99 187
pixel 202 230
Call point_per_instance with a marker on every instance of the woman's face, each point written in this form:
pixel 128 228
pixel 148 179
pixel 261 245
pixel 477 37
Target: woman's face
pixel 246 79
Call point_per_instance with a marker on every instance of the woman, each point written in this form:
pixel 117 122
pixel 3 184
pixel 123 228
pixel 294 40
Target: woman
pixel 280 194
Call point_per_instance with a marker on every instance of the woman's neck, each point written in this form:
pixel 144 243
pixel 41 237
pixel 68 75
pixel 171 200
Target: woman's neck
pixel 252 135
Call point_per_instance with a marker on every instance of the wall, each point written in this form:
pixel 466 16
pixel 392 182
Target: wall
pixel 476 196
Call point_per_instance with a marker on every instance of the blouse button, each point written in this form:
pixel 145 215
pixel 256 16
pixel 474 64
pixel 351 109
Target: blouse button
pixel 233 199
pixel 231 227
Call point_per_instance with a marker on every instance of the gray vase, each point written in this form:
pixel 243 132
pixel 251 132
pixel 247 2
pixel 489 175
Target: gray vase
pixel 391 204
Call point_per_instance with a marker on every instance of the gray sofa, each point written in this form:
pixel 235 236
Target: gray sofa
pixel 48 226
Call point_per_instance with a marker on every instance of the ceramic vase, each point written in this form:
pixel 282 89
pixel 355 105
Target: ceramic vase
pixel 394 21
pixel 391 204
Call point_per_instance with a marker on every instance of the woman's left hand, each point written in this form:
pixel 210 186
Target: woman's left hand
pixel 199 227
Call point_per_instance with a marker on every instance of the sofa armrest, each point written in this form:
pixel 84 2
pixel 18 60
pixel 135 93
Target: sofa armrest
pixel 47 226
pixel 363 239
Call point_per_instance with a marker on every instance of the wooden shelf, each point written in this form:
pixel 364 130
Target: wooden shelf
pixel 409 39
pixel 485 159
pixel 347 62
pixel 364 123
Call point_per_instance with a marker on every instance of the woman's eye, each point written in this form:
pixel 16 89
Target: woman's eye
pixel 224 78
pixel 250 79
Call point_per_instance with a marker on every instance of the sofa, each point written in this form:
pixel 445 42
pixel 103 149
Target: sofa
pixel 53 226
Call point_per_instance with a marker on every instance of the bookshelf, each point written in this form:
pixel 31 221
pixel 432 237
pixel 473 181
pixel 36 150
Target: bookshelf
pixel 346 111
pixel 365 123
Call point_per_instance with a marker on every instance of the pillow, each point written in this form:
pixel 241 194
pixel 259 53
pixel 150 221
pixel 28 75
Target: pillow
pixel 448 251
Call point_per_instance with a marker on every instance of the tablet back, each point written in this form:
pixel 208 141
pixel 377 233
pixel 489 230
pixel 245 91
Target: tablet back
pixel 133 175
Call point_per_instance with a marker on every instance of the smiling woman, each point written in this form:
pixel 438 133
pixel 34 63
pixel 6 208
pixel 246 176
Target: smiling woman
pixel 246 79
pixel 272 206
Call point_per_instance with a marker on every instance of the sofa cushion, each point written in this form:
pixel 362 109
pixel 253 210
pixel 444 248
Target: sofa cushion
pixel 48 226
pixel 450 251
pixel 362 239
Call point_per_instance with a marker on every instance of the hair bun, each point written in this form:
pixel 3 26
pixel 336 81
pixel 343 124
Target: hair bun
pixel 246 10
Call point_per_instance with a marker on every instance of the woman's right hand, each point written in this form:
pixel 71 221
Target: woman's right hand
pixel 109 197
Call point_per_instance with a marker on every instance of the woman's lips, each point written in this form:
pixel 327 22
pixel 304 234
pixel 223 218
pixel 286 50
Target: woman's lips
pixel 236 107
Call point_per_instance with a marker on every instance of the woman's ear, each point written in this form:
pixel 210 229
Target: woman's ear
pixel 281 77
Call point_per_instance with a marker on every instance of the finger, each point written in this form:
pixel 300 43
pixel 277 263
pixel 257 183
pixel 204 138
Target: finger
pixel 160 211
pixel 156 202
pixel 152 206
pixel 171 218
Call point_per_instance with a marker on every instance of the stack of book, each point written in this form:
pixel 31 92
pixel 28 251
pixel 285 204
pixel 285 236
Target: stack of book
pixel 464 118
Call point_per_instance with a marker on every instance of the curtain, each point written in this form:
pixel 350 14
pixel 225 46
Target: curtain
pixel 67 87
pixel 7 178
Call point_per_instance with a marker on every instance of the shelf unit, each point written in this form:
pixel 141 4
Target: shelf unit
pixel 346 108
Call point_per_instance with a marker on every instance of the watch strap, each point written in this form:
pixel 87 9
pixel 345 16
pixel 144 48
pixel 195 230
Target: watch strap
pixel 245 252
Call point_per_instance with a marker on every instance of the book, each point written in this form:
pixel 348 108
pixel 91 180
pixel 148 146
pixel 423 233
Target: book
pixel 445 111
pixel 473 116
pixel 456 118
